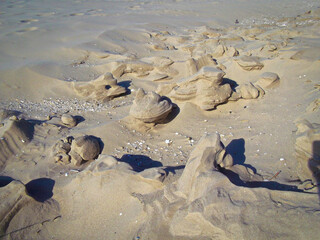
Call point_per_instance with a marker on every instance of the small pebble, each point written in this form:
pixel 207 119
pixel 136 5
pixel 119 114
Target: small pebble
pixel 281 159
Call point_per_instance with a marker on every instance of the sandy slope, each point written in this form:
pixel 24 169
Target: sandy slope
pixel 166 181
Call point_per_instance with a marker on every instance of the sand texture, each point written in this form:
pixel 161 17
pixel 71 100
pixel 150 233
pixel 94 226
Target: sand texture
pixel 160 119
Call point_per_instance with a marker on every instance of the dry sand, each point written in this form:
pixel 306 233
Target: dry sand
pixel 221 143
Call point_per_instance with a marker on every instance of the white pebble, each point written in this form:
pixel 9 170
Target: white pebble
pixel 120 214
pixel 66 174
pixel 281 159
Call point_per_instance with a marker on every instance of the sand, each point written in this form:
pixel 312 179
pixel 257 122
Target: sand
pixel 159 119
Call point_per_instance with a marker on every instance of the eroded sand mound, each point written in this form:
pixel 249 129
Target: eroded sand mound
pixel 15 134
pixel 212 199
pixel 307 148
pixel 26 209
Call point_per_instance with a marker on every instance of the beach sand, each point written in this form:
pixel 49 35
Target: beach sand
pixel 160 119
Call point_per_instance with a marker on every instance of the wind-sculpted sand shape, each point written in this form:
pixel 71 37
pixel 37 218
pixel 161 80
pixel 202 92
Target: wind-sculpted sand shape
pixel 195 64
pixel 307 149
pixel 249 63
pixel 150 107
pixel 199 202
pixel 104 88
pixel 14 135
pixel 108 162
pixel 217 47
pixel 68 120
pixel 84 148
pixel 139 68
pixel 205 89
pixel 61 151
pixel 248 91
pixel 268 80
pixel 149 68
pixel 203 203
pixel 22 216
pixel 209 155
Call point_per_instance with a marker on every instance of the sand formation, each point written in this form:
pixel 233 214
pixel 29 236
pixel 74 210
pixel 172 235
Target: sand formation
pixel 21 208
pixel 195 206
pixel 248 189
pixel 84 148
pixel 149 68
pixel 307 148
pixel 68 120
pixel 15 134
pixel 207 89
pixel 249 63
pixel 104 88
pixel 150 107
